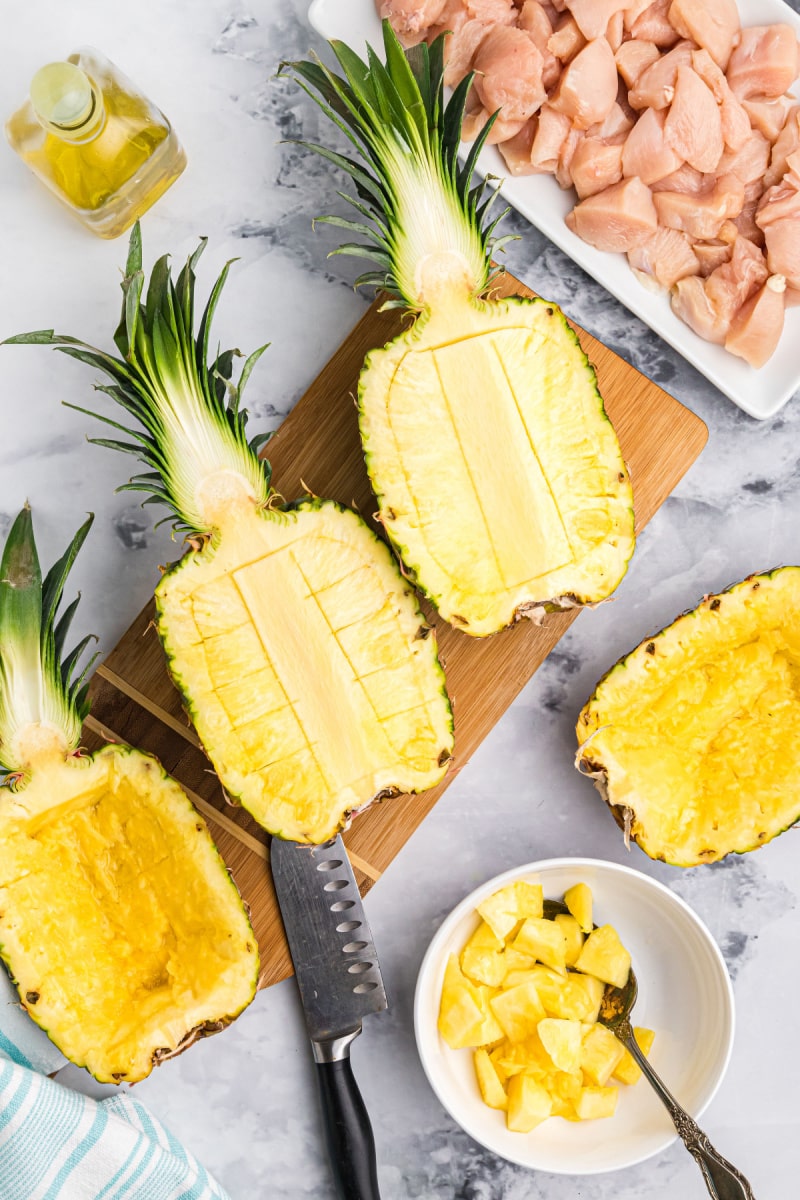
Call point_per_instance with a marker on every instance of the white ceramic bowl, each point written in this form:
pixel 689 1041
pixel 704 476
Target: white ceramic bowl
pixel 685 995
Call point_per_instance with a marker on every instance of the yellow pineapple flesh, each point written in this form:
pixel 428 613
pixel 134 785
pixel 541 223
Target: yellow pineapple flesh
pixel 691 738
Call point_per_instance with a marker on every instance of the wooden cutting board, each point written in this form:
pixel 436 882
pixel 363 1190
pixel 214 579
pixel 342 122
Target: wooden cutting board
pixel 317 449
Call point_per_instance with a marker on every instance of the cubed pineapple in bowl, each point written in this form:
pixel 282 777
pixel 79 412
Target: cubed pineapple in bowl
pixel 549 1087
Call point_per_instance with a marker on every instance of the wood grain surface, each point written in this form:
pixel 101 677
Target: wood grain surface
pixel 317 449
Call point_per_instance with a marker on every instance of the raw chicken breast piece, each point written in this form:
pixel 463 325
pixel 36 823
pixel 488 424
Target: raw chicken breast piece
pixel 646 153
pixel 595 166
pixel 687 180
pixel 768 116
pixel 508 74
pixel 788 141
pixel 615 31
pixel 779 216
pixel 411 19
pixel 791 297
pixel 551 133
pixel 633 58
pixel 702 214
pixel 765 63
pixel 666 256
pixel 783 248
pixel 654 25
pixel 618 218
pixel 749 162
pixel 587 90
pixel 492 12
pixel 655 87
pixel 735 121
pixel 516 151
pixel 565 157
pixel 534 20
pixel 567 40
pixel 616 125
pixel 757 327
pixel 693 126
pixel 713 24
pixel 592 16
pixel 460 48
pixel 711 255
pixel 708 306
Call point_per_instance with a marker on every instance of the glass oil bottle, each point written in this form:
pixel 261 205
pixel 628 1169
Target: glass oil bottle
pixel 96 141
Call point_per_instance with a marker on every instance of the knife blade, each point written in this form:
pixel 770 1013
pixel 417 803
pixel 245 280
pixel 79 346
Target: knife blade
pixel 339 979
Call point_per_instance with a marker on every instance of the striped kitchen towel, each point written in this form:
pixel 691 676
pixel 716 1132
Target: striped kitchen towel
pixel 56 1144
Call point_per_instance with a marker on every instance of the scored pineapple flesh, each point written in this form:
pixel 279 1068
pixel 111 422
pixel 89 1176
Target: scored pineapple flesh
pixel 695 731
pixel 120 923
pixel 515 494
pixel 307 667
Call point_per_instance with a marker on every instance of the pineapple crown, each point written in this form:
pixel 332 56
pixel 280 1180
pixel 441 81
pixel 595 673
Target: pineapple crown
pixel 417 202
pixel 189 421
pixel 40 684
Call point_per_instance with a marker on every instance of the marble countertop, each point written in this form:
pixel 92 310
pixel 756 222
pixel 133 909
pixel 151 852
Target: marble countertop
pixel 244 1100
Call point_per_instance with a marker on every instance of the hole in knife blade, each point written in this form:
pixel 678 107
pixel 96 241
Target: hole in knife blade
pixel 359 968
pixel 353 947
pixel 329 864
pixel 343 905
pixel 335 885
pixel 360 988
pixel 347 926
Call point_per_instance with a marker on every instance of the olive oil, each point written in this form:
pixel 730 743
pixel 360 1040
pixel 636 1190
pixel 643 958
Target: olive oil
pixel 96 141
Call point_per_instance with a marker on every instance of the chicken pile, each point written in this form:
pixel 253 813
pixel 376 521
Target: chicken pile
pixel 672 123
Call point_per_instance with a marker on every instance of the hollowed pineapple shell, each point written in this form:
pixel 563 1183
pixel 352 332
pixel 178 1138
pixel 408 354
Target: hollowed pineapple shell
pixel 692 737
pixel 119 921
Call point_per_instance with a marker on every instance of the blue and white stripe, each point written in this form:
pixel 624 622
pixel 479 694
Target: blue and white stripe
pixel 56 1144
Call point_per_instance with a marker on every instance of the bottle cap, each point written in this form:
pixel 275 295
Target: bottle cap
pixel 63 98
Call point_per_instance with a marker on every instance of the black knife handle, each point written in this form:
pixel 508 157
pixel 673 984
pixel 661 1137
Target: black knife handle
pixel 348 1132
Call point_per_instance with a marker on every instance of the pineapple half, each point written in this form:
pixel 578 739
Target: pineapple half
pixel 692 737
pixel 120 924
pixel 303 659
pixel 499 477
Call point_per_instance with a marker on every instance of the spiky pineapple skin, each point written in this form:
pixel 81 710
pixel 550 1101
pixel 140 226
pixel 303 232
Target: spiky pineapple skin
pixel 590 721
pixel 386 360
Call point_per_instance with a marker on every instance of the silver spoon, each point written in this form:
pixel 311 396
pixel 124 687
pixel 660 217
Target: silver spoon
pixel 723 1180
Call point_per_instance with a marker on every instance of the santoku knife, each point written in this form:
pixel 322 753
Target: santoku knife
pixel 340 983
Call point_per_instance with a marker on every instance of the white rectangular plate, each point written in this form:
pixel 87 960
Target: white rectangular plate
pixel 539 198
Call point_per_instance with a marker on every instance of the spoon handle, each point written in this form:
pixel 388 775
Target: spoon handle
pixel 723 1180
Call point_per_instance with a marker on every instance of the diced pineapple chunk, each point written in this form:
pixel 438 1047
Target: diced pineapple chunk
pixel 545 941
pixel 517 961
pixel 484 938
pixel 490 1031
pixel 530 898
pixel 518 1010
pixel 528 1104
pixel 578 900
pixel 594 989
pixel 483 966
pixel 595 1102
pixel 530 1056
pixel 627 1069
pixel 604 956
pixel 573 938
pixel 489 1082
pixel 503 911
pixel 460 1014
pixel 562 1041
pixel 600 1055
pixel 562 996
